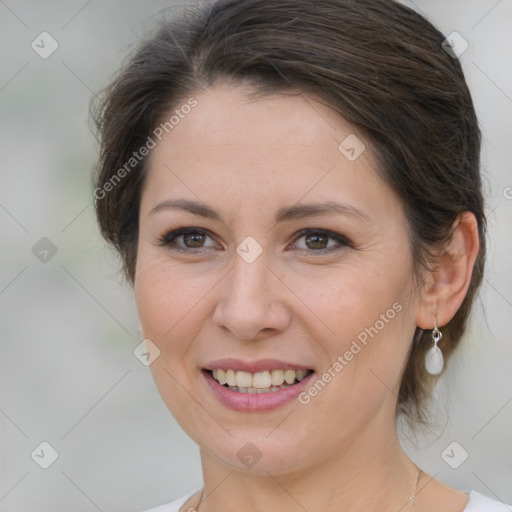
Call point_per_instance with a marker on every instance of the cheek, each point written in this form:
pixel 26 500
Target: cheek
pixel 166 300
pixel 354 301
pixel 168 304
pixel 365 333
pixel 156 304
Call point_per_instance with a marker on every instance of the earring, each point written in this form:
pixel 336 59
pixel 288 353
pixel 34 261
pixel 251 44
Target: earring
pixel 434 361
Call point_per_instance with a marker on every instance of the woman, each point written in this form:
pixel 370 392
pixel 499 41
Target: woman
pixel 294 190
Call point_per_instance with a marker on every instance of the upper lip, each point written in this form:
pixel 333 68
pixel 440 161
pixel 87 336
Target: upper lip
pixel 256 366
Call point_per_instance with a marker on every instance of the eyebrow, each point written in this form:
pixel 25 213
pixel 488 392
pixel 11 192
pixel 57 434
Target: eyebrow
pixel 295 212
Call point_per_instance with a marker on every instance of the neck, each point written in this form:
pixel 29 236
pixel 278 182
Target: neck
pixel 374 473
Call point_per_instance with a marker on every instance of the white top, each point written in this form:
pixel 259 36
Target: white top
pixel 477 503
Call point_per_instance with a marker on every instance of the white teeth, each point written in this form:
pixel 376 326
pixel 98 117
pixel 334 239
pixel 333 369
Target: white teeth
pixel 258 390
pixel 300 374
pixel 277 377
pixel 259 382
pixel 230 377
pixel 289 376
pixel 221 376
pixel 243 379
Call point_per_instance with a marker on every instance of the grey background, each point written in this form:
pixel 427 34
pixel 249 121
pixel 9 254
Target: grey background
pixel 68 326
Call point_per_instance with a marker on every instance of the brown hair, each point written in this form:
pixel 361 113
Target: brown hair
pixel 377 63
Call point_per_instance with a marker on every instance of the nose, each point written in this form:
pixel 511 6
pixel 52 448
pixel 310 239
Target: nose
pixel 252 304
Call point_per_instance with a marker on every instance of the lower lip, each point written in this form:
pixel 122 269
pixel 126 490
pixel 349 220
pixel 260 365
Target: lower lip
pixel 255 402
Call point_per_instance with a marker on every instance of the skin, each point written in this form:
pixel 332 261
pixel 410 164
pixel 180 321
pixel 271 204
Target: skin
pixel 246 158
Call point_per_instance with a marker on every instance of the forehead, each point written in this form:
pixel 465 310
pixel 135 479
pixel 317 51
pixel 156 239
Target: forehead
pixel 272 149
pixel 226 115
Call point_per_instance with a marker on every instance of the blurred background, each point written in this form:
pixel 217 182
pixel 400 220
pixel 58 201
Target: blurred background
pixel 69 377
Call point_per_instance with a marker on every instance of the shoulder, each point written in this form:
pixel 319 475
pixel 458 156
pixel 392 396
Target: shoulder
pixel 174 506
pixel 477 503
pixel 480 503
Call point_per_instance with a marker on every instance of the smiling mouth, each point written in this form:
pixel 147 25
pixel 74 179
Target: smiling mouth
pixel 260 382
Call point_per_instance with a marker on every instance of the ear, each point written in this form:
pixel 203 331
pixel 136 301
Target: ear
pixel 447 284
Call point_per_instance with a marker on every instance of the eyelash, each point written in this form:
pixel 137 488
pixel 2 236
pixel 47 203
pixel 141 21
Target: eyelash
pixel 168 240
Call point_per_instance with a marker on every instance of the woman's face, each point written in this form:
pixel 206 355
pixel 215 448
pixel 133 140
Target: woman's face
pixel 265 283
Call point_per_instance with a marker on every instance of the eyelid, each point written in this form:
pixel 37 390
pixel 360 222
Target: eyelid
pixel 341 239
pixel 169 238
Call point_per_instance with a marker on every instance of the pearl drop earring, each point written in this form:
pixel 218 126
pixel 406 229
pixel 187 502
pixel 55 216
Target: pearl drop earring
pixel 434 361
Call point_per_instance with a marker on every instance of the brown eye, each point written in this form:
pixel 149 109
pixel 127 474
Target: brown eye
pixel 194 240
pixel 320 241
pixel 317 241
pixel 186 240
